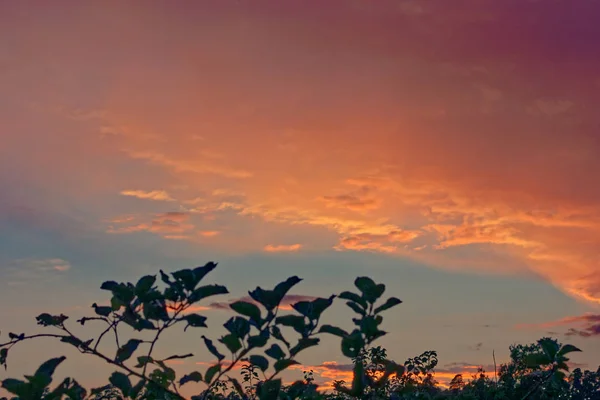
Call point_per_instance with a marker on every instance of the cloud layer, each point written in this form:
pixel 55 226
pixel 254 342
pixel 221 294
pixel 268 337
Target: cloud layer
pixel 462 136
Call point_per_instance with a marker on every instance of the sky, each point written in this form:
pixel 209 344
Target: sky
pixel 447 149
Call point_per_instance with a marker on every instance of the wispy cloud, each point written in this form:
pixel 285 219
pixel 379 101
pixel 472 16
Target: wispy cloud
pixel 195 166
pixel 22 271
pixel 171 225
pixel 158 195
pixel 586 325
pixel 361 199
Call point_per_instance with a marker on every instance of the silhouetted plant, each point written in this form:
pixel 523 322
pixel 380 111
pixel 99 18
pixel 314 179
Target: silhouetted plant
pixel 144 307
pixel 255 341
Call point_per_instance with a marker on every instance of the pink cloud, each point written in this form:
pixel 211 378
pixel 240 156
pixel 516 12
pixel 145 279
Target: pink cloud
pixel 158 195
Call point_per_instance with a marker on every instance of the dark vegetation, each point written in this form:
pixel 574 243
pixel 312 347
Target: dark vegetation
pixel 259 339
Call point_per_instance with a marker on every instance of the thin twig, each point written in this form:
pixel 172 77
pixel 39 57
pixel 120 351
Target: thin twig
pixel 39 335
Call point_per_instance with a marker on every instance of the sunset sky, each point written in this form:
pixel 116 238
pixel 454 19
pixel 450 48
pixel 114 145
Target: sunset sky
pixel 450 149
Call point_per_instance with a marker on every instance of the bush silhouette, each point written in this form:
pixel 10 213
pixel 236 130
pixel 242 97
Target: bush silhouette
pixel 256 342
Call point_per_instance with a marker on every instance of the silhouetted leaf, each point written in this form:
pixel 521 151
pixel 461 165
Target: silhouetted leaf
pixel 280 365
pixel 206 291
pixel 186 277
pixel 275 352
pixel 46 319
pixel 568 348
pixel 201 272
pixel 14 386
pixel 3 356
pixel 116 303
pixel 164 277
pixel 294 321
pixel 232 342
pixel 194 320
pixel 550 347
pixel 156 310
pixel 260 340
pixel 319 305
pixel 211 372
pixel 238 326
pixel 313 309
pixel 247 309
pixel 143 360
pixel 333 330
pixel 391 302
pixel 267 298
pixel 126 351
pixel 282 288
pixel 103 311
pixel 47 368
pixel 14 336
pixel 535 360
pixel 303 343
pixel 192 377
pixel 144 284
pixel 353 297
pixel 211 347
pixel 261 362
pixel 109 285
pixel 142 324
pixel 121 382
pixel 369 289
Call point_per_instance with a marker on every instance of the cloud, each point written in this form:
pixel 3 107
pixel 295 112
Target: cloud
pixel 158 195
pixel 282 248
pixel 20 271
pixel 386 243
pixel 194 166
pixel 586 325
pixel 357 200
pixel 209 233
pixel 170 225
pixel 473 145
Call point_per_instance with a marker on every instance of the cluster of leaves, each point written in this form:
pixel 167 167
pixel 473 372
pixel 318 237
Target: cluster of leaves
pixel 255 337
pixel 258 340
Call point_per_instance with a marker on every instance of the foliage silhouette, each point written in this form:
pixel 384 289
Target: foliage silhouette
pixel 255 341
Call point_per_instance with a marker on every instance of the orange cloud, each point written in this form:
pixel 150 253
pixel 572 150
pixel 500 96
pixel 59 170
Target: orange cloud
pixel 179 165
pixel 485 155
pixel 282 248
pixel 171 225
pixel 209 233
